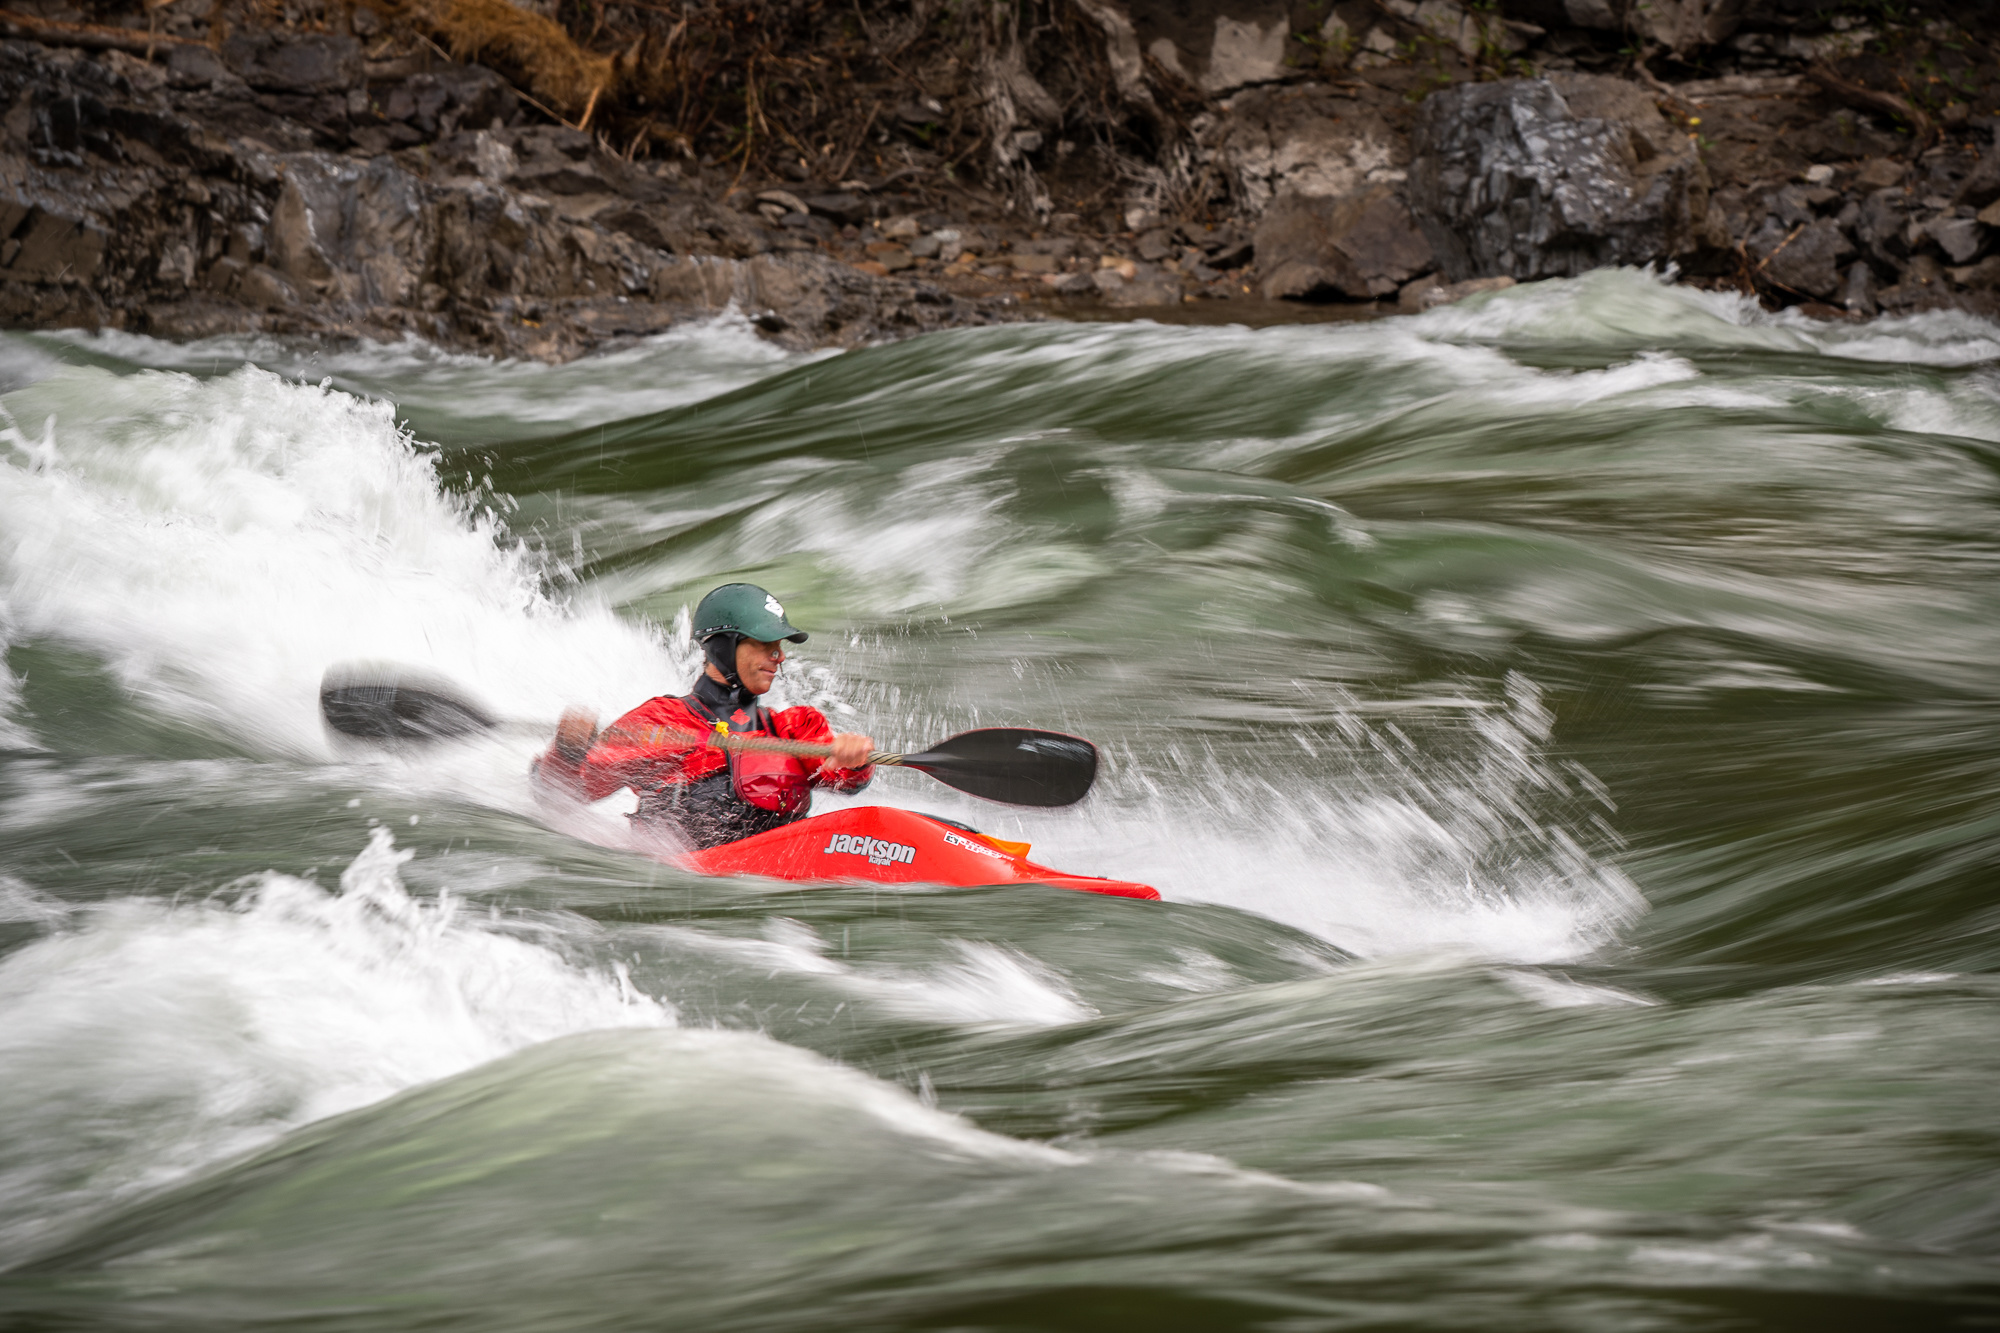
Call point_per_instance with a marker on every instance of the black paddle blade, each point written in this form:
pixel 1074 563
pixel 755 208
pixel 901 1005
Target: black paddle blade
pixel 1013 764
pixel 385 703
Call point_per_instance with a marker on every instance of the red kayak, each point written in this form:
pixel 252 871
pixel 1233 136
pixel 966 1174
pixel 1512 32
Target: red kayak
pixel 880 844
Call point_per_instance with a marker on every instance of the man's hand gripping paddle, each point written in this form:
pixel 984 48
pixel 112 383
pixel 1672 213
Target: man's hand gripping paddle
pixel 1014 765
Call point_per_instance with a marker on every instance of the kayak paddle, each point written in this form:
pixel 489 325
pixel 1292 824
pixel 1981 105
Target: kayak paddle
pixel 378 702
pixel 1014 765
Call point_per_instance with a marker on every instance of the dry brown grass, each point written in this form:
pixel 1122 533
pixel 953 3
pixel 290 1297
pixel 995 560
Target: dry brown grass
pixel 536 50
pixel 930 94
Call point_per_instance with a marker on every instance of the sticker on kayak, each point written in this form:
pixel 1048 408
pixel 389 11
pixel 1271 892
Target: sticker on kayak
pixel 878 852
pixel 979 847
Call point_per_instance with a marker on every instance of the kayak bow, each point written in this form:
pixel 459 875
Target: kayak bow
pixel 882 844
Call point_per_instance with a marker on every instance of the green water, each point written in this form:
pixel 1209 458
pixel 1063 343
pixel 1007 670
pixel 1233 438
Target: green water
pixel 1562 727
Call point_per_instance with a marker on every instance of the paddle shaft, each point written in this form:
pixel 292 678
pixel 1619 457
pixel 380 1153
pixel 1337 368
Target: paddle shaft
pixel 760 744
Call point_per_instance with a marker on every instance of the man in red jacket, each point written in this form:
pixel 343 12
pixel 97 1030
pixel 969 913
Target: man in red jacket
pixel 661 748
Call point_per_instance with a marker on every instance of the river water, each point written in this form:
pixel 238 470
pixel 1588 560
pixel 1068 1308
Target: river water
pixel 1564 728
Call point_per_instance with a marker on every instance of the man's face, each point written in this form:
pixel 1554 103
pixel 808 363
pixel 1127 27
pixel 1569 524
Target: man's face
pixel 757 663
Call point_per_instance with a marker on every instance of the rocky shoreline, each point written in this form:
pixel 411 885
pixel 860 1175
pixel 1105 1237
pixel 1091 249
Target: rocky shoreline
pixel 338 175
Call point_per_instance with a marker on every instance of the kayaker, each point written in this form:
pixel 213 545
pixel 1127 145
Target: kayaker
pixel 706 794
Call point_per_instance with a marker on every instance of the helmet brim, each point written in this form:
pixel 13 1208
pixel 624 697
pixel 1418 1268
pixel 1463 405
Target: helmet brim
pixel 769 629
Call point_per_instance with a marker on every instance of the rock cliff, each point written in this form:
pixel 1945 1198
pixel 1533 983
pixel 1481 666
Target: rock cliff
pixel 539 181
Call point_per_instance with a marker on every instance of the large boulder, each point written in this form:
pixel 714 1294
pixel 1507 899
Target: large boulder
pixel 1543 178
pixel 1355 247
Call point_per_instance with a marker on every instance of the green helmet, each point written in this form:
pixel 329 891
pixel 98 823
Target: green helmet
pixel 743 608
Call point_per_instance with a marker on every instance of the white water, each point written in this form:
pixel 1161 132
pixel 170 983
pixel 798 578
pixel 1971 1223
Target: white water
pixel 683 365
pixel 196 1030
pixel 985 985
pixel 441 1024
pixel 219 544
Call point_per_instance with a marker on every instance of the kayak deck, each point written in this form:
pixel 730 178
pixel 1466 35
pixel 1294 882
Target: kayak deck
pixel 880 844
